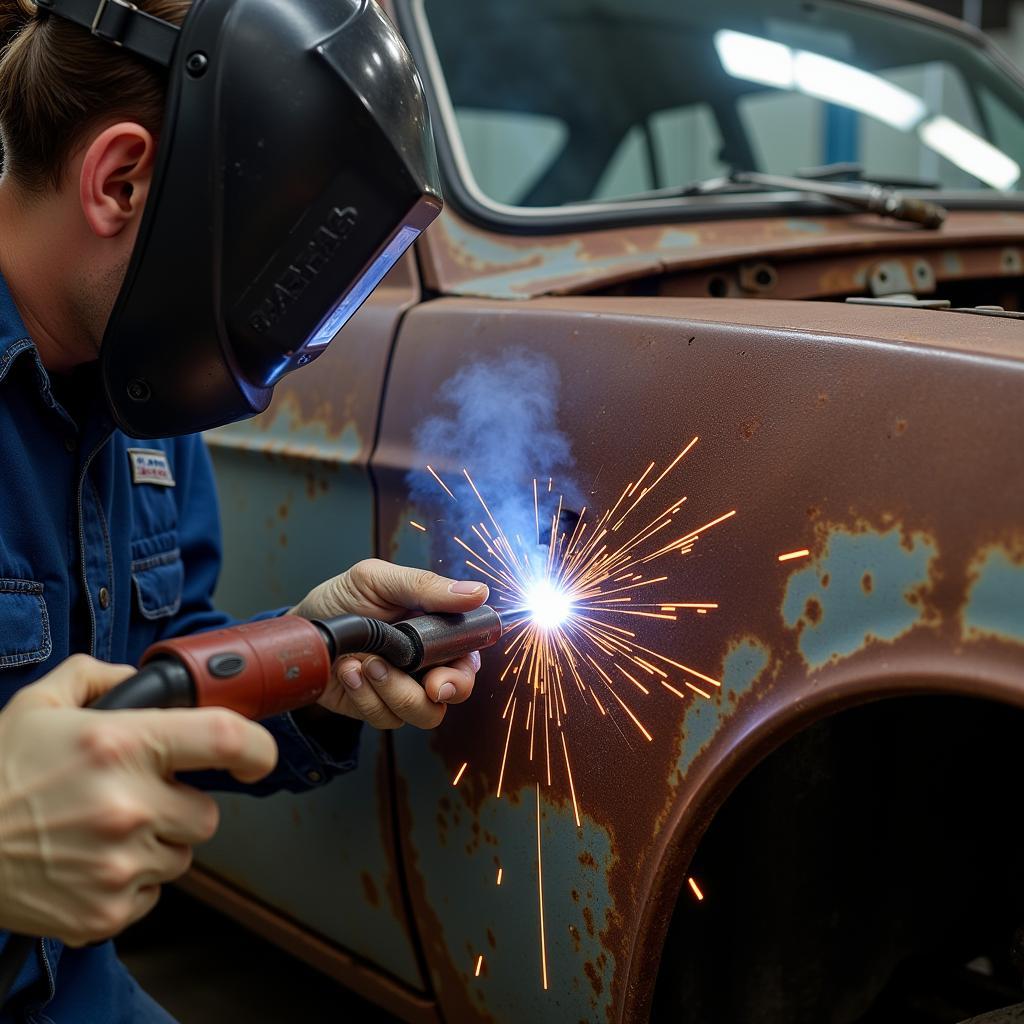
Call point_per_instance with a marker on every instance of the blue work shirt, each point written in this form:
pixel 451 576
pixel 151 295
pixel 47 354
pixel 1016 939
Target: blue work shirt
pixel 106 545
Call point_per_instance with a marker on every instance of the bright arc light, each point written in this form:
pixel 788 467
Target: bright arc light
pixel 548 605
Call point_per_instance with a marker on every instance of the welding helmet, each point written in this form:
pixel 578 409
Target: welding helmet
pixel 295 166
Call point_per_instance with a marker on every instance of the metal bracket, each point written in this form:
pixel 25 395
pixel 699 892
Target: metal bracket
pixel 116 31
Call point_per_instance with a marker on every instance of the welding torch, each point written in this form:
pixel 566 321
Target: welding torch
pixel 262 669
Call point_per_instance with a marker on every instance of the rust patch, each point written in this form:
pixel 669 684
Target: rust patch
pixel 812 610
pixel 370 889
pixel 596 981
pixel 867 583
pixel 750 427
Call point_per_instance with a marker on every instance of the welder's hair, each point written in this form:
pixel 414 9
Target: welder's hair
pixel 58 83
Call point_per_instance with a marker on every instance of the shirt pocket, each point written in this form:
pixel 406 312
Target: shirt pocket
pixel 157 575
pixel 24 624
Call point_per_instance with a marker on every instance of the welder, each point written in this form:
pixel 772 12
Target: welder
pixel 195 198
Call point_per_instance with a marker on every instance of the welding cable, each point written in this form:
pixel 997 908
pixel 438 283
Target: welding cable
pixel 356 634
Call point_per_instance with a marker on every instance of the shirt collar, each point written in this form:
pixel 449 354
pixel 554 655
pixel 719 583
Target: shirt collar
pixel 14 337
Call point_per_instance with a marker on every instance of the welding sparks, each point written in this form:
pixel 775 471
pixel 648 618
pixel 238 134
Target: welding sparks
pixel 573 595
pixel 455 781
pixel 696 889
pixel 417 526
pixel 479 966
pixel 802 553
pixel 501 873
pixel 444 486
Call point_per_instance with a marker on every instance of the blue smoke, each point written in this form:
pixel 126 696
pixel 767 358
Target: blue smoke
pixel 499 420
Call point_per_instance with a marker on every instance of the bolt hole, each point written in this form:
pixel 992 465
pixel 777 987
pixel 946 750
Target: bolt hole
pixel 718 287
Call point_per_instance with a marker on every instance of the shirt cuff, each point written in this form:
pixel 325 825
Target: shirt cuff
pixel 312 753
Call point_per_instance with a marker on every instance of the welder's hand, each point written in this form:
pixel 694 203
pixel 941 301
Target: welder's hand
pixel 370 688
pixel 92 821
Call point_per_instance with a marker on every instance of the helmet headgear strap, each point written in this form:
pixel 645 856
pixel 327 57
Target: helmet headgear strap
pixel 120 23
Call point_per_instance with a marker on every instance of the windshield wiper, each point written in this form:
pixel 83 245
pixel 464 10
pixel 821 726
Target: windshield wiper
pixel 848 171
pixel 861 195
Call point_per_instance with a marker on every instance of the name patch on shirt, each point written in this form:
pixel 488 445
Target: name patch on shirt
pixel 150 466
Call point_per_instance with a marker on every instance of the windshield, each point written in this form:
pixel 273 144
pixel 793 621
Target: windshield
pixel 567 101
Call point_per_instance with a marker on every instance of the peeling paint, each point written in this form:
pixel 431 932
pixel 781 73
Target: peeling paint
pixel 875 588
pixel 334 868
pixel 287 433
pixel 525 266
pixel 995 601
pixel 742 667
pixel 460 842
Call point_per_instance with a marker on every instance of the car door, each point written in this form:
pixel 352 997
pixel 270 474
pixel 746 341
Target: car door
pixel 297 506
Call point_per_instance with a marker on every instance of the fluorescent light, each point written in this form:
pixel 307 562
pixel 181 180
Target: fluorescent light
pixel 755 59
pixel 847 86
pixel 970 152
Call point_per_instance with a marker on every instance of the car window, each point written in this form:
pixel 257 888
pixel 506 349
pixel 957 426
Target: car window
pixel 510 148
pixel 624 96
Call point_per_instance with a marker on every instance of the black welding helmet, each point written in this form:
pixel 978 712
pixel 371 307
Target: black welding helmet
pixel 295 167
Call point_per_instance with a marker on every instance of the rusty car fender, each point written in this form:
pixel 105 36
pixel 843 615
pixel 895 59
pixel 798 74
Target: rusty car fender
pixel 825 426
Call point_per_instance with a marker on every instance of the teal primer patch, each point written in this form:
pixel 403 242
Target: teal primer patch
pixel 410 546
pixel 810 227
pixel 859 590
pixel 703 717
pixel 995 604
pixel 459 865
pixel 526 266
pixel 330 862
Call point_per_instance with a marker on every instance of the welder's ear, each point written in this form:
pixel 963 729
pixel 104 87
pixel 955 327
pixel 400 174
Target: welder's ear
pixel 116 174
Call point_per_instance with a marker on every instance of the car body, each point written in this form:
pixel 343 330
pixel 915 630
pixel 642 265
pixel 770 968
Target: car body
pixel 883 440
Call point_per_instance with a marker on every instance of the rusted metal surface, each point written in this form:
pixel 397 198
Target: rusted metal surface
pixel 888 443
pixel 297 940
pixel 461 259
pixel 297 505
pixel 918 272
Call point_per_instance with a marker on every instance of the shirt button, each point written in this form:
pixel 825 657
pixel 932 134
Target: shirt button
pixel 104 596
pixel 70 445
pixel 314 776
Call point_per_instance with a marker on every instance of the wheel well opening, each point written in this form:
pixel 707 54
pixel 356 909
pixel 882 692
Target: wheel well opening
pixel 869 870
